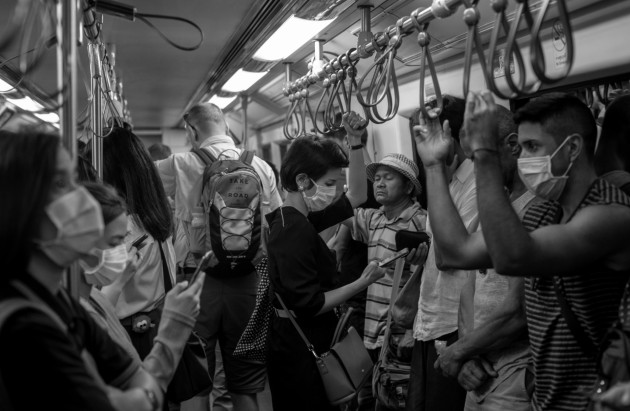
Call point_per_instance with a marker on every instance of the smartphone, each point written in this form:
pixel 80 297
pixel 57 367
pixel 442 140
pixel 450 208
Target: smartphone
pixel 389 261
pixel 139 242
pixel 411 239
pixel 201 267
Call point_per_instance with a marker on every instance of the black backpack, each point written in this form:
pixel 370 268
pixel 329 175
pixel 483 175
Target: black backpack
pixel 231 198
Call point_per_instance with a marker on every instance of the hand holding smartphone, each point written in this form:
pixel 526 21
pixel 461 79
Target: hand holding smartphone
pixel 390 261
pixel 203 264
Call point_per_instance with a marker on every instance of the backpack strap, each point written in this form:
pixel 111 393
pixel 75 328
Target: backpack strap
pixel 247 156
pixel 204 155
pixel 574 325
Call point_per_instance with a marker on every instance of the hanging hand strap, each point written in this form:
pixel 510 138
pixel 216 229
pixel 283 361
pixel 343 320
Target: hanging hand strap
pixel 309 346
pixel 398 271
pixel 574 325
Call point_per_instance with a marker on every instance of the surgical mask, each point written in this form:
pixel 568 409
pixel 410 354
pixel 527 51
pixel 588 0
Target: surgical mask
pixel 323 197
pixel 79 222
pixel 111 265
pixel 537 177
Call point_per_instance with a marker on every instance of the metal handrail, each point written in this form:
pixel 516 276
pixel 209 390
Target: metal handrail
pixel 439 9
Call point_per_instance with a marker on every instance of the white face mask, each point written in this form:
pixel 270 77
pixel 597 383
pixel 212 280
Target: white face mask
pixel 323 197
pixel 111 265
pixel 538 178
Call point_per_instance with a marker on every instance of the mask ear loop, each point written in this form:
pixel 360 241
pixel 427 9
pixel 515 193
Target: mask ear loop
pixel 556 152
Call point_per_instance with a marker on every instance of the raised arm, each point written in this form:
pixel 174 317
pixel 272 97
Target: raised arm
pixel 457 248
pixel 595 232
pixel 357 179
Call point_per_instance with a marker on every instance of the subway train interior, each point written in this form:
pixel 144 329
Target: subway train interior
pixel 279 73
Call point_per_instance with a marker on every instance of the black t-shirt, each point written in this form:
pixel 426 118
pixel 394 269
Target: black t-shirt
pixel 41 364
pixel 301 266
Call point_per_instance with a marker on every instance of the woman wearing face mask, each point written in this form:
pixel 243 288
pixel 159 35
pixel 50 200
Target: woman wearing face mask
pixel 181 304
pixel 137 298
pixel 301 267
pixel 47 223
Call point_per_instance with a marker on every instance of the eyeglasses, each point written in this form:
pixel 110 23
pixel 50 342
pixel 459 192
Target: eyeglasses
pixel 509 142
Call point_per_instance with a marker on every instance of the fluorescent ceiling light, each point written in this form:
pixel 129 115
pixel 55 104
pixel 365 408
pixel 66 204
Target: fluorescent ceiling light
pixel 292 35
pixel 221 102
pixel 26 103
pixel 48 117
pixel 242 80
pixel 5 87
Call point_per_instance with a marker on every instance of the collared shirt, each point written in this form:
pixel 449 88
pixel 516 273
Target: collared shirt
pixel 440 290
pixel 182 177
pixel 373 228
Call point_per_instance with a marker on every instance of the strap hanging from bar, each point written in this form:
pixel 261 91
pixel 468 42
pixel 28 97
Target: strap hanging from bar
pixel 473 43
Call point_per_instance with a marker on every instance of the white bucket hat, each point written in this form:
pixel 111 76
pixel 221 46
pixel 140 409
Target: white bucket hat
pixel 401 164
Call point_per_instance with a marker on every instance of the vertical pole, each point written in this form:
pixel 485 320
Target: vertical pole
pixel 66 81
pixel 244 108
pixel 95 115
pixel 67 73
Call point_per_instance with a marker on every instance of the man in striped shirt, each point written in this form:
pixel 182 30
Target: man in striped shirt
pixel 395 180
pixel 573 248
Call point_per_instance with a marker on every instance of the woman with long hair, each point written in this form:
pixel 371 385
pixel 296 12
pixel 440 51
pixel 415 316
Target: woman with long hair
pixel 47 222
pixel 138 297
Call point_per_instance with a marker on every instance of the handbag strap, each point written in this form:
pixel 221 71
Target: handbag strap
pixel 398 271
pixel 168 284
pixel 569 316
pixel 341 325
pixel 309 346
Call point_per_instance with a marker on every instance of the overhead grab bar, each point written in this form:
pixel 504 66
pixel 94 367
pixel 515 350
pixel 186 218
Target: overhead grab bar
pixel 424 41
pixel 501 22
pixel 473 43
pixel 438 9
pixel 536 51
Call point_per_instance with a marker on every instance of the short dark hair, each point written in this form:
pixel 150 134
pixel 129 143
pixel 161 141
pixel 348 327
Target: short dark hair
pixel 614 141
pixel 128 167
pixel 313 156
pixel 505 122
pixel 159 151
pixel 28 160
pixel 86 171
pixel 112 205
pixel 561 115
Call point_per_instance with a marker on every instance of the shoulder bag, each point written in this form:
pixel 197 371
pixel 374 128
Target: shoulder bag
pixel 346 367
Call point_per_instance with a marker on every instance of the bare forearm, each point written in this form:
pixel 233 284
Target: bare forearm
pixel 357 179
pixel 338 296
pixel 508 243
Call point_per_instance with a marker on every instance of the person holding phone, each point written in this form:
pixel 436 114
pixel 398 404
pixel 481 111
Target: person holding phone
pixel 107 262
pixel 396 185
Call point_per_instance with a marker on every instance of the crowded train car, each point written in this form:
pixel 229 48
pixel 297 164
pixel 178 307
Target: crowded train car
pixel 279 205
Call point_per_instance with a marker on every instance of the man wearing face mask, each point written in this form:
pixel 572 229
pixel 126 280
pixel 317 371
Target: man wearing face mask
pixel 227 299
pixel 573 249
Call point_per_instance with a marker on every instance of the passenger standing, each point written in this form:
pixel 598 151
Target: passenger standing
pixel 438 305
pixel 612 158
pixel 138 298
pixel 228 298
pixel 395 182
pixel 491 357
pixel 302 269
pixel 47 223
pixel 576 244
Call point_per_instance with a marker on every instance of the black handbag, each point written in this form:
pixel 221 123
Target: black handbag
pixel 346 367
pixel 191 377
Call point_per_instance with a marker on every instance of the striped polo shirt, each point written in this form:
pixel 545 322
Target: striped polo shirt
pixel 565 375
pixel 379 233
